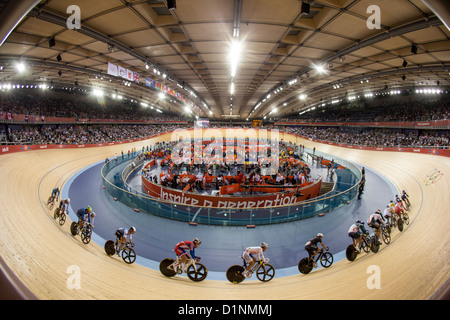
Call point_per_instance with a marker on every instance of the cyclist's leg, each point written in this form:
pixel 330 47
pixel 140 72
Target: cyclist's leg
pixel 122 241
pixel 250 262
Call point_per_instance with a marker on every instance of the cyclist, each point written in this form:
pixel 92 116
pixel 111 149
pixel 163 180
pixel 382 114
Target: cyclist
pixel 122 234
pixel 252 254
pixel 355 232
pixel 186 250
pixel 313 249
pixel 375 221
pixel 405 197
pixel 388 212
pixel 64 206
pixel 55 194
pixel 84 214
pixel 398 209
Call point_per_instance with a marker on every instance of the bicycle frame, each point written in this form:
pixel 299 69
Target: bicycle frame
pixel 257 264
pixel 187 264
pixel 318 256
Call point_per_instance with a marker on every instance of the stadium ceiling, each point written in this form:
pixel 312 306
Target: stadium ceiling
pixel 293 55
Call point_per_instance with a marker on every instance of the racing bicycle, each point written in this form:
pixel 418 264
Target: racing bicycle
pixel 264 272
pixel 307 264
pixel 51 202
pixel 61 215
pixel 85 231
pixel 193 268
pixel 386 234
pixel 368 244
pixel 128 254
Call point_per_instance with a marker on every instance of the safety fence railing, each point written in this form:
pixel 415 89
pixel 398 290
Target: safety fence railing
pixel 346 188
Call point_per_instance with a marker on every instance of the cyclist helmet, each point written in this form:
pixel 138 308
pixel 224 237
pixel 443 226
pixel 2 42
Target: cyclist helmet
pixel 264 245
pixel 320 235
pixel 197 241
pixel 93 214
pixel 88 209
pixel 68 200
pixel 133 229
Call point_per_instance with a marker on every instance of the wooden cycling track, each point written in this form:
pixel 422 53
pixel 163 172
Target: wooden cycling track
pixel 39 252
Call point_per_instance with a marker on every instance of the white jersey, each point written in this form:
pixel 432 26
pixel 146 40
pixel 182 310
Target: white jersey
pixel 376 218
pixel 353 228
pixel 64 206
pixel 387 212
pixel 256 252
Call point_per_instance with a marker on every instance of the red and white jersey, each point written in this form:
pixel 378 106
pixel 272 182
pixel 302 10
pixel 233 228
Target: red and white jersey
pixel 255 252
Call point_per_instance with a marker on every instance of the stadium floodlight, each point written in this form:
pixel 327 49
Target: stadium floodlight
pixel 319 68
pixel 20 66
pixel 235 53
pixel 97 92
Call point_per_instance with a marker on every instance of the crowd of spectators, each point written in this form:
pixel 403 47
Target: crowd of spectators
pixel 404 110
pixel 63 105
pixel 84 134
pixel 77 106
pixel 101 133
pixel 374 137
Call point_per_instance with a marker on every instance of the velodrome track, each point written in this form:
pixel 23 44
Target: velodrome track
pixel 40 253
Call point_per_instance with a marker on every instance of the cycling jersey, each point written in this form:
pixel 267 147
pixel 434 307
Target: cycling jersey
pixel 398 208
pixel 123 232
pixel 253 252
pixel 355 231
pixel 314 241
pixel 55 193
pixel 63 206
pixel 387 212
pixel 183 247
pixel 82 213
pixel 375 219
pixel 392 206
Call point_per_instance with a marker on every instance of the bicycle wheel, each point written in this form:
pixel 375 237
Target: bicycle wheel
pixel 74 228
pixel 56 213
pixel 265 272
pixel 86 235
pixel 305 266
pixel 385 236
pixel 351 252
pixel 365 245
pixel 374 246
pixel 234 274
pixel 50 203
pixel 110 248
pixel 400 224
pixel 128 255
pixel 62 219
pixel 198 275
pixel 326 260
pixel 163 267
pixel 406 218
pixel 388 229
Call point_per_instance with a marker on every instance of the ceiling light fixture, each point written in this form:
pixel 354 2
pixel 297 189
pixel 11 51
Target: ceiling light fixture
pixel 320 68
pixel 235 53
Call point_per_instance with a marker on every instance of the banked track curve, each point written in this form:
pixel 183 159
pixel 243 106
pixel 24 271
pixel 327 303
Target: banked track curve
pixel 41 253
